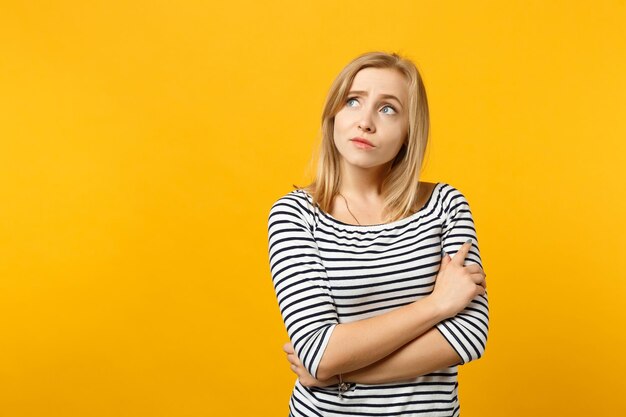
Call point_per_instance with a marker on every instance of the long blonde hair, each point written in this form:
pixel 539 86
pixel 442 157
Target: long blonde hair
pixel 400 185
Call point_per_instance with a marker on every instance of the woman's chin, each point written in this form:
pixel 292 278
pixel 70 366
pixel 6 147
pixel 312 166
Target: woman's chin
pixel 362 163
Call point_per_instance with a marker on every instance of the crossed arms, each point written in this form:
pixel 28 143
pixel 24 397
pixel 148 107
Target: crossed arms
pixel 445 328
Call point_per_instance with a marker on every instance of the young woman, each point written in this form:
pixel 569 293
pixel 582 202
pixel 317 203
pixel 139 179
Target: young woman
pixel 378 313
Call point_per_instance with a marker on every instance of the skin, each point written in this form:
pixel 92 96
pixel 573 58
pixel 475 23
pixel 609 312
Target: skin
pixel 403 343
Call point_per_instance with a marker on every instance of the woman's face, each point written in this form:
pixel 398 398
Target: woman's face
pixel 373 123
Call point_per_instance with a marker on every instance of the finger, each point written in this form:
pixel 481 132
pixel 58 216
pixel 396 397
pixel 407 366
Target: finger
pixel 459 257
pixel 480 290
pixel 478 278
pixel 288 348
pixel 474 268
pixel 293 359
pixel 445 260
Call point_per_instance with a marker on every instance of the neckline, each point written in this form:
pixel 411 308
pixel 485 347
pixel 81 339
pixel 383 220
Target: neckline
pixel 436 189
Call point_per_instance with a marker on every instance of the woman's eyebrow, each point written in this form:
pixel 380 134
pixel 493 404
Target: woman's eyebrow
pixel 389 96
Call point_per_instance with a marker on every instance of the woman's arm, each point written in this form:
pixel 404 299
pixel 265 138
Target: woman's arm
pixel 423 355
pixel 428 353
pixel 466 331
pixel 356 345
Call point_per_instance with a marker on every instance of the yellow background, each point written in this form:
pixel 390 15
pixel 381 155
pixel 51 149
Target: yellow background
pixel 143 143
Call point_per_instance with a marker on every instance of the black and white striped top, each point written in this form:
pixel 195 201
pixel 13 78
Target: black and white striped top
pixel 327 272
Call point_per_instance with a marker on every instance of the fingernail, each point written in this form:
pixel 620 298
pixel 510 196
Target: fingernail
pixel 468 241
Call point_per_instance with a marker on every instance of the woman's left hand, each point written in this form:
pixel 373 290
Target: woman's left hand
pixel 305 378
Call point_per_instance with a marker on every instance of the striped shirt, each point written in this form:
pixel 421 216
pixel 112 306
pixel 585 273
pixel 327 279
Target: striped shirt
pixel 327 272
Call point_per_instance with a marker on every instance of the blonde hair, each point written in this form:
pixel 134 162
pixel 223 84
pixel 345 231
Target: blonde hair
pixel 401 183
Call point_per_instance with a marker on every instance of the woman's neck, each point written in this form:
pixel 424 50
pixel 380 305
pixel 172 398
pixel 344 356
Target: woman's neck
pixel 362 183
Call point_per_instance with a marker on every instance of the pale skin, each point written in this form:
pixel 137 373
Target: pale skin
pixel 404 343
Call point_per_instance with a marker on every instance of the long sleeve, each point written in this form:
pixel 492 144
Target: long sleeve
pixel 300 280
pixel 467 331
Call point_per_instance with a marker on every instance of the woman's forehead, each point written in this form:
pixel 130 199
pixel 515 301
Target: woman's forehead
pixel 380 81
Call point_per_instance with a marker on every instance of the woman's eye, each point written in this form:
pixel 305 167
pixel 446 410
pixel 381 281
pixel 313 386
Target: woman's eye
pixel 354 99
pixel 391 108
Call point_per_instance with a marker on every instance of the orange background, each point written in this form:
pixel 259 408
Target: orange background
pixel 143 143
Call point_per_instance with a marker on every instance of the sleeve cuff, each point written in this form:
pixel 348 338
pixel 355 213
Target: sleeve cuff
pixel 321 348
pixel 453 339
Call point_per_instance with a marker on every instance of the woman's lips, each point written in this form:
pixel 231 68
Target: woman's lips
pixel 362 143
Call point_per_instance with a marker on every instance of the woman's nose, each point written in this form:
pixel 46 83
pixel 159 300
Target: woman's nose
pixel 365 122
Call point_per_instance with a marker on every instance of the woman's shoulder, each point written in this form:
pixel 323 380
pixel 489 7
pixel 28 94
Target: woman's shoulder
pixel 426 188
pixel 296 202
pixel 452 200
pixel 296 196
pixel 447 194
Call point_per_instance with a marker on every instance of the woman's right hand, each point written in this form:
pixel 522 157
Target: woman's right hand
pixel 457 285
